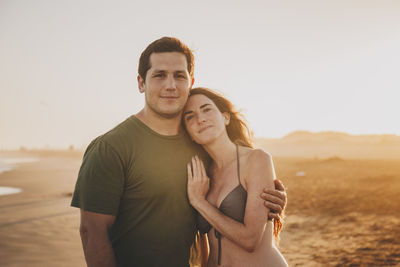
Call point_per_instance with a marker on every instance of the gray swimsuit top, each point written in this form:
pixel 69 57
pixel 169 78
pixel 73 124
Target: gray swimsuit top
pixel 233 206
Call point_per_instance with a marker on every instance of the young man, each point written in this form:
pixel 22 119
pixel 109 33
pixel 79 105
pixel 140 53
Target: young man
pixel 131 187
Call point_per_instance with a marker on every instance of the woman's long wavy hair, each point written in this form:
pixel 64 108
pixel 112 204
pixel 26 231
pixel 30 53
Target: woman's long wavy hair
pixel 237 129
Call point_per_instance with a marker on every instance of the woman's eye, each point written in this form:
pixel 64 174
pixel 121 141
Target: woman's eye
pixel 207 109
pixel 189 117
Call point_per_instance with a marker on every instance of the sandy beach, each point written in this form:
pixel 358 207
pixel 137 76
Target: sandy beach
pixel 37 226
pixel 340 212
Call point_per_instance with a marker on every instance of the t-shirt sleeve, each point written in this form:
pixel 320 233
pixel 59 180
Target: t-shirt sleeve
pixel 100 182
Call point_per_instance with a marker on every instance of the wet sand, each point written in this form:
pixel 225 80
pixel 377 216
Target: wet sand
pixel 340 213
pixel 37 226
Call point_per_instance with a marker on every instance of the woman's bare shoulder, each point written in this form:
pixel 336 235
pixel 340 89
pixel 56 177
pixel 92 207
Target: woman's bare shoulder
pixel 258 164
pixel 257 156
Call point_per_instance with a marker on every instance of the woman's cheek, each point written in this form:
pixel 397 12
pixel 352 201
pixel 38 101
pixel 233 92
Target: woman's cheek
pixel 190 128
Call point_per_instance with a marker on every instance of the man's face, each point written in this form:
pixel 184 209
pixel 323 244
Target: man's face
pixel 167 84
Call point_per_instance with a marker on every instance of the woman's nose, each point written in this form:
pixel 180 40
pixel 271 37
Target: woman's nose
pixel 201 118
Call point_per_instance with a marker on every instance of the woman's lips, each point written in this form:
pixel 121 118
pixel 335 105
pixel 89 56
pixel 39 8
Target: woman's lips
pixel 204 128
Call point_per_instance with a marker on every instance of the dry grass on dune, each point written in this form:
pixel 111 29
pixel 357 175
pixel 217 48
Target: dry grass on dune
pixel 342 212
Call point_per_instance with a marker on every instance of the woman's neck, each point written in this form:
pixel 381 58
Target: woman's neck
pixel 222 151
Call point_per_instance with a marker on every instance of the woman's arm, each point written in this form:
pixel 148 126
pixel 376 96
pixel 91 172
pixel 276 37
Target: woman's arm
pixel 259 174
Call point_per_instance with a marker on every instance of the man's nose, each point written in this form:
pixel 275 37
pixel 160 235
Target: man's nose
pixel 170 83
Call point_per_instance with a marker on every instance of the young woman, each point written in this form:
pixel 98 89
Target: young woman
pixel 231 210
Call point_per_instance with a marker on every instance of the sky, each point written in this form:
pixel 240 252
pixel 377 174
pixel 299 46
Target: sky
pixel 68 68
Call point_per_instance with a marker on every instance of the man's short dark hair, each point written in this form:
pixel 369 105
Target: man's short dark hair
pixel 165 44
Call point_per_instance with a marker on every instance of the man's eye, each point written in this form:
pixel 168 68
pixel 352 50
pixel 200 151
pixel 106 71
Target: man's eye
pixel 158 75
pixel 181 76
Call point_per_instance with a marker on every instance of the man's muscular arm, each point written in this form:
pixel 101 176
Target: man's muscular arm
pixel 95 240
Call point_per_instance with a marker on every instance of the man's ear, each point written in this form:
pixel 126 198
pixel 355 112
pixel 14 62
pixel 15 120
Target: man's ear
pixel 227 118
pixel 191 83
pixel 140 83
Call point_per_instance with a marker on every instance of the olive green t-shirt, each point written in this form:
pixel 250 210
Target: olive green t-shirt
pixel 141 177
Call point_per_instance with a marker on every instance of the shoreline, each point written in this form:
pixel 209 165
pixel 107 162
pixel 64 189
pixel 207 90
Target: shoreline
pixel 9 164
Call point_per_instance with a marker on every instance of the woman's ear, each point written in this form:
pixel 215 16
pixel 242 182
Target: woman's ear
pixel 227 118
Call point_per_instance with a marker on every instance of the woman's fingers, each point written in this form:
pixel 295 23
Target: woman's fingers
pixel 189 171
pixel 198 169
pixel 196 189
pixel 194 168
pixel 203 170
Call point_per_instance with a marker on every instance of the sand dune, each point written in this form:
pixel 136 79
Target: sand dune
pixel 330 144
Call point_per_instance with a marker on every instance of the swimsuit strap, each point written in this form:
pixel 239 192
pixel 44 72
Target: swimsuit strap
pixel 217 234
pixel 238 163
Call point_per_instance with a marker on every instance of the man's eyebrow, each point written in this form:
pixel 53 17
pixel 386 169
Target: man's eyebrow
pixel 164 71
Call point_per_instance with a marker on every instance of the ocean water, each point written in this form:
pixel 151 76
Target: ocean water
pixel 4 166
pixel 8 164
pixel 6 190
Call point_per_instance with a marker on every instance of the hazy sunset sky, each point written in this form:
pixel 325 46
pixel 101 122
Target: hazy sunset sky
pixel 68 68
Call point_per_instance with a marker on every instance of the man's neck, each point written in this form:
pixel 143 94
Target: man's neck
pixel 160 124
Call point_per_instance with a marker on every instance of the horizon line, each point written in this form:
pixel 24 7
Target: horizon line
pixel 83 146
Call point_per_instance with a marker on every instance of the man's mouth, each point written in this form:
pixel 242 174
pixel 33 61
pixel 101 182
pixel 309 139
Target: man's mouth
pixel 169 97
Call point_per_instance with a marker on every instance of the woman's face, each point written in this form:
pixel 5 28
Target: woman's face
pixel 203 120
